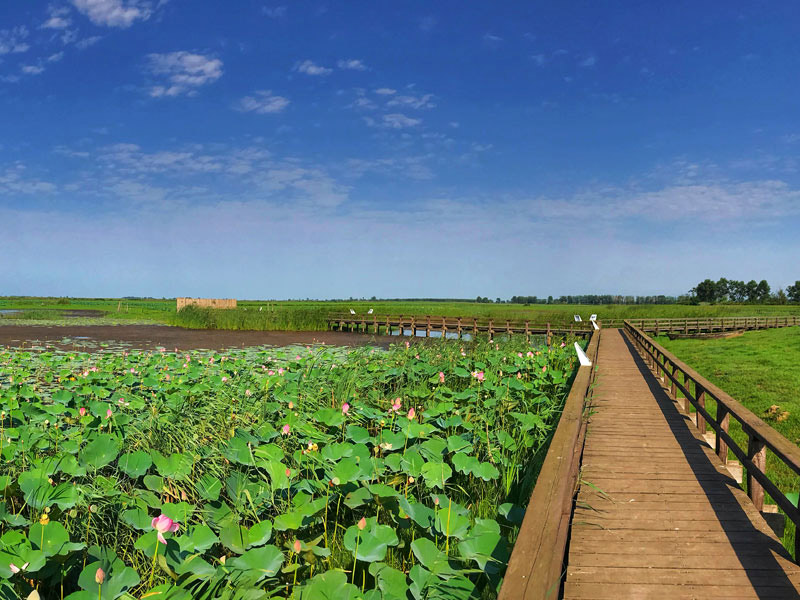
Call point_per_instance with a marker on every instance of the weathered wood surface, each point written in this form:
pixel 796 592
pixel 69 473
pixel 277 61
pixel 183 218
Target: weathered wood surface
pixel 657 514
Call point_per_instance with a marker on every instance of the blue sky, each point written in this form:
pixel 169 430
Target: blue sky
pixel 309 149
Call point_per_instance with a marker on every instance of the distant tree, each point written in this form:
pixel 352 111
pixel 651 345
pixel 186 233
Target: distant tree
pixel 752 290
pixel 721 290
pixel 549 299
pixel 737 291
pixel 706 291
pixel 793 291
pixel 762 291
pixel 779 297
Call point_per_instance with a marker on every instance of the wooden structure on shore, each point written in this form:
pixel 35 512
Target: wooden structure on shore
pixel 454 327
pixel 634 499
pixel 223 303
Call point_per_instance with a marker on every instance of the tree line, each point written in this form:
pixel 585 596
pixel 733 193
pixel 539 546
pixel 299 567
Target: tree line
pixel 731 290
pixel 599 299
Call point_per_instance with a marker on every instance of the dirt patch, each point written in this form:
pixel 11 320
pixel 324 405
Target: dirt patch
pixel 146 337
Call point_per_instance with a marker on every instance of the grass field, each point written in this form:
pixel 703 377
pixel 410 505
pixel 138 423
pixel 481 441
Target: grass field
pixel 760 370
pixel 311 315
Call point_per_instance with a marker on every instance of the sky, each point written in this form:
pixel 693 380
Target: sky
pixel 297 149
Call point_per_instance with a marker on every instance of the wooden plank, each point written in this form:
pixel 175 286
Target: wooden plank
pixel 640 591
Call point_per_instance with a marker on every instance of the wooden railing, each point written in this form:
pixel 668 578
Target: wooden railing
pixel 537 562
pixel 458 326
pixel 712 325
pixel 761 437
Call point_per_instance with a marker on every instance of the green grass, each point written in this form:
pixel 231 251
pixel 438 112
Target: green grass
pixel 760 370
pixel 311 315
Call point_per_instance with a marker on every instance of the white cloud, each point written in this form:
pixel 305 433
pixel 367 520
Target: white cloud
pixel 183 72
pixel 415 102
pixel 12 41
pixel 263 102
pixel 114 13
pixel 492 39
pixel 399 121
pixel 55 57
pixel 310 68
pixel 385 91
pixel 352 64
pixel 589 61
pixel 58 18
pixel 32 69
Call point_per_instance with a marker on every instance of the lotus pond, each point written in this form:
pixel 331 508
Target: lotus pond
pixel 298 472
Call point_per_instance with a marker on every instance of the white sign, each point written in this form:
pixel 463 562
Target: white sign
pixel 577 318
pixel 593 318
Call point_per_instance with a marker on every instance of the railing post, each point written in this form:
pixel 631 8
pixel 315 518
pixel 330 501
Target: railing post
pixel 757 453
pixel 549 337
pixel 459 327
pixel 724 419
pixel 427 326
pixel 491 330
pixel 700 397
pixel 527 332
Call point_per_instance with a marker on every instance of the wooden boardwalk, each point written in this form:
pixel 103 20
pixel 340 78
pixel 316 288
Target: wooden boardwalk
pixel 657 513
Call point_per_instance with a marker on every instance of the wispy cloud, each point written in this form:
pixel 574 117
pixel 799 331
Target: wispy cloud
pixel 12 41
pixel 384 91
pixel 13 181
pixel 114 13
pixel 416 102
pixel 87 42
pixel 274 12
pixel 55 57
pixel 182 72
pixel 352 64
pixel 395 121
pixel 263 102
pixel 539 60
pixel 589 61
pixel 32 69
pixel 58 18
pixel 310 68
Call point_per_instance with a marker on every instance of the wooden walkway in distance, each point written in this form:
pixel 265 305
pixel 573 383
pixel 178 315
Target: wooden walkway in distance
pixel 658 515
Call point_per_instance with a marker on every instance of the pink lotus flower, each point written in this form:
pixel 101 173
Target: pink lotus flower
pixel 224 379
pixel 248 393
pixel 362 524
pixel 441 377
pixel 82 411
pixel 108 414
pixel 345 408
pixel 288 472
pixel 478 375
pixel 407 345
pixel 519 354
pixel 100 575
pixel 412 413
pixel 285 429
pixel 162 524
pixel 15 569
pixel 529 354
pixel 544 368
pixel 297 357
pixel 297 546
pixel 280 371
pixel 271 373
pixel 563 344
pixel 291 405
pixel 396 405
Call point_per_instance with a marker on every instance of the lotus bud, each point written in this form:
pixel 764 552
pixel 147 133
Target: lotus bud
pixel 99 576
pixel 362 524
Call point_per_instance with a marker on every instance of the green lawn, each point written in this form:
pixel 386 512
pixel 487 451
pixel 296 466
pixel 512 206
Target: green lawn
pixel 759 369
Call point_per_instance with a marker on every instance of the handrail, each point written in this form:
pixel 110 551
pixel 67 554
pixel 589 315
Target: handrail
pixel 537 563
pixel 761 437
